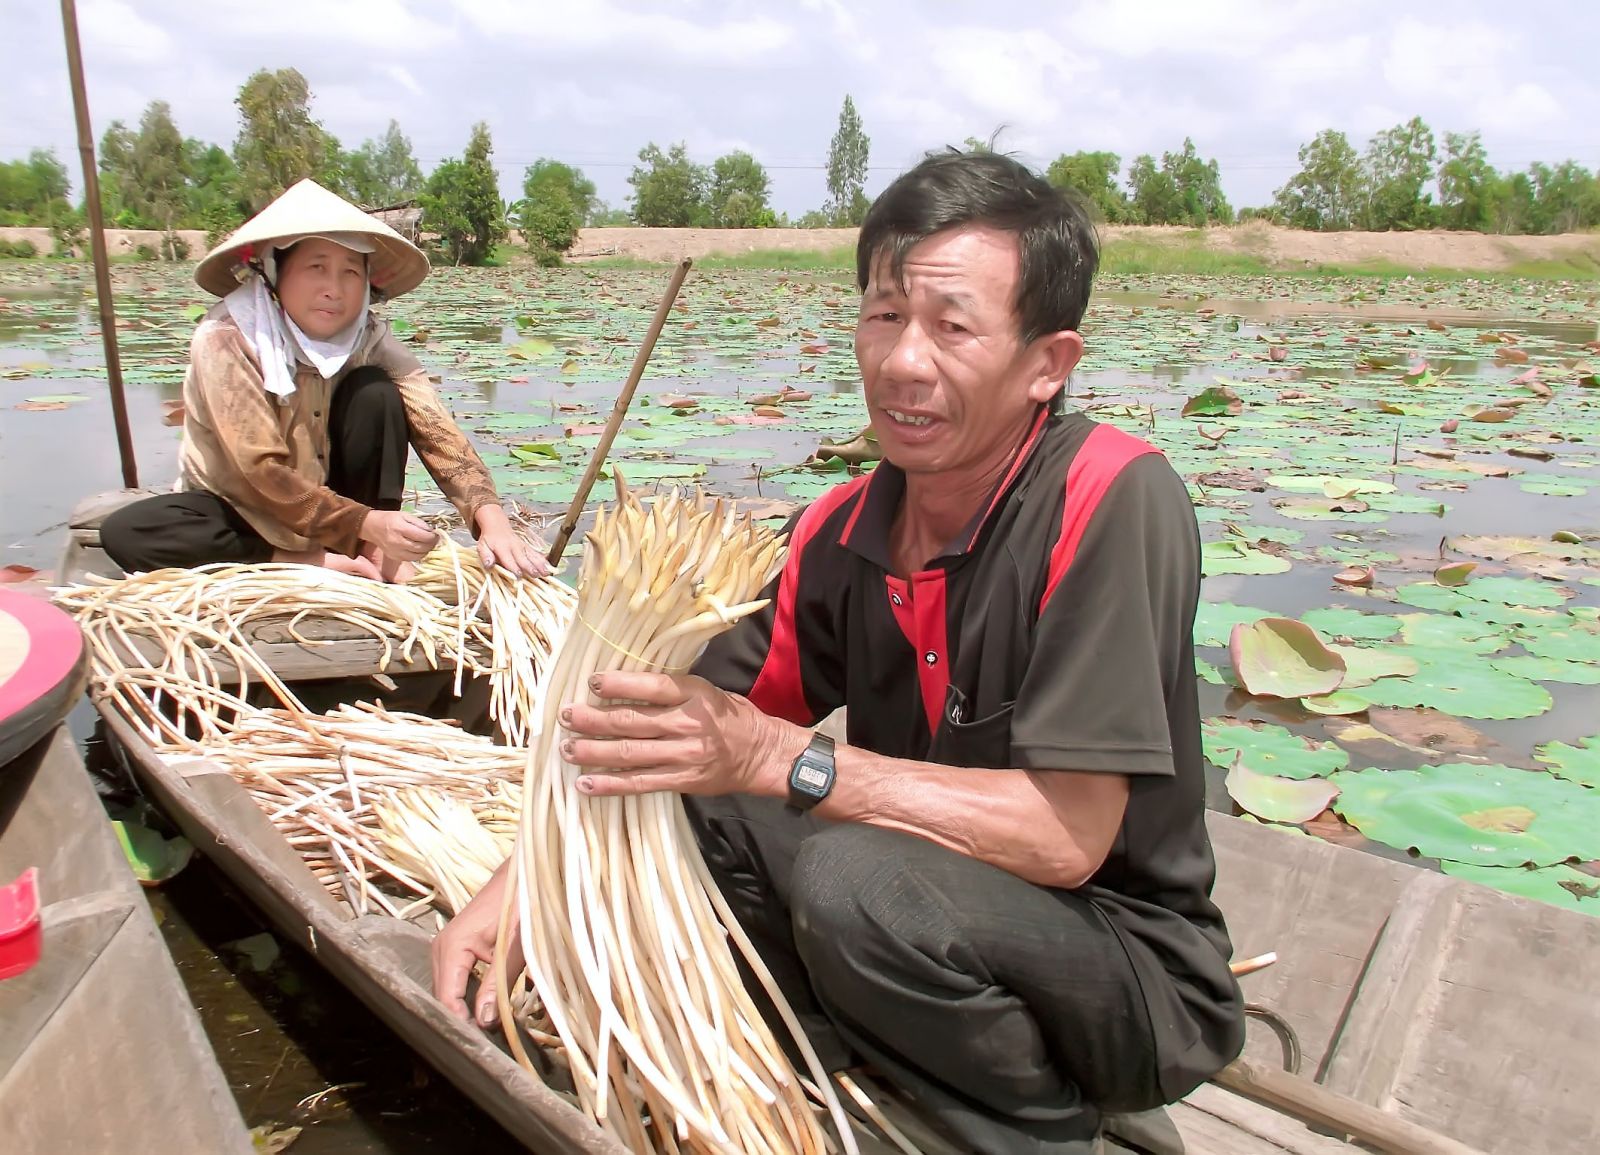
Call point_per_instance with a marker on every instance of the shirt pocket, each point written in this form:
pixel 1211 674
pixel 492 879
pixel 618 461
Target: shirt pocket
pixel 983 743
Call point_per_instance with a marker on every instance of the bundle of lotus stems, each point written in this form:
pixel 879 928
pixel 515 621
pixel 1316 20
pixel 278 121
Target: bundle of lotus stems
pixel 623 931
pixel 365 793
pixel 362 792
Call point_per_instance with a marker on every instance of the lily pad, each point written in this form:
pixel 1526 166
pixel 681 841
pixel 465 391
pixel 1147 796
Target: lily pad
pixel 1466 688
pixel 1337 704
pixel 1233 556
pixel 1489 815
pixel 1558 885
pixel 1330 486
pixel 1445 631
pixel 1217 401
pixel 1365 666
pixel 1214 621
pixel 1283 658
pixel 1269 749
pixel 1538 669
pixel 1580 763
pixel 1571 641
pixel 1338 622
pixel 1508 591
pixel 1278 799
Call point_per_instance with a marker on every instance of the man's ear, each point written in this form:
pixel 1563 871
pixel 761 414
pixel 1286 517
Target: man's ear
pixel 1053 357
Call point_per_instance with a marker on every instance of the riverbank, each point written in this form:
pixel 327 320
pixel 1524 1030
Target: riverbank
pixel 1254 248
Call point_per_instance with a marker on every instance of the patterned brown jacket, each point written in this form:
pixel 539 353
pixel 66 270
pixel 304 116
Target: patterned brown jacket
pixel 269 458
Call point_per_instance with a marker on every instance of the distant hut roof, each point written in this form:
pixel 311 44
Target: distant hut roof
pixel 404 218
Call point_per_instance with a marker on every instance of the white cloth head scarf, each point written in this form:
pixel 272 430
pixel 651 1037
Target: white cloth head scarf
pixel 278 342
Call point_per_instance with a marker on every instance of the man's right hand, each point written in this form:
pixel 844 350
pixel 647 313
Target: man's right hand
pixel 467 940
pixel 399 535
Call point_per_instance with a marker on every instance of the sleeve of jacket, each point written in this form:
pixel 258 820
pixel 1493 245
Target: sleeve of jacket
pixel 256 470
pixel 446 453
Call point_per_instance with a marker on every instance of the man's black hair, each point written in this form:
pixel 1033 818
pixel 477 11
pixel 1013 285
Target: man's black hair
pixel 952 189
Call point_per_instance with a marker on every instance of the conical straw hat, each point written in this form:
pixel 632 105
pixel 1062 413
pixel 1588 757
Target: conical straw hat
pixel 305 210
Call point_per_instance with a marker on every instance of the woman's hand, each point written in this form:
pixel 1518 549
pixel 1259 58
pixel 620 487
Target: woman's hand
pixel 467 940
pixel 398 535
pixel 500 544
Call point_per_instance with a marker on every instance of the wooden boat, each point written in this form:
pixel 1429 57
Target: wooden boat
pixel 1457 1017
pixel 94 997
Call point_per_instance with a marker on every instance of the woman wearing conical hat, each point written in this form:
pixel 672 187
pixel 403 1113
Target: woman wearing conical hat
pixel 300 408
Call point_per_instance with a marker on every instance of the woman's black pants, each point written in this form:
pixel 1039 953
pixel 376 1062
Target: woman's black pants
pixel 367 448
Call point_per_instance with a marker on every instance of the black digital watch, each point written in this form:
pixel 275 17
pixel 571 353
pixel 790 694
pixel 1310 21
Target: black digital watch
pixel 811 775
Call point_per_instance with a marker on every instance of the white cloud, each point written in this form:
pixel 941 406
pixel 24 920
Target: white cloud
pixel 112 31
pixel 592 26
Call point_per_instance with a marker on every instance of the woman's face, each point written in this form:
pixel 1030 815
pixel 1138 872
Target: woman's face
pixel 321 286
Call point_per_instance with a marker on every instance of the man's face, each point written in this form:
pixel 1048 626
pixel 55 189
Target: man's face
pixel 321 286
pixel 949 384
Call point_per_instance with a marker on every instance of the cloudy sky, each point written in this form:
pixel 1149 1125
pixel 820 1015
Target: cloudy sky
pixel 591 81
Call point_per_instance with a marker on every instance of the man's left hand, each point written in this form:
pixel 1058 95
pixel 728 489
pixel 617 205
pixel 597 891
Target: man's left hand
pixel 664 732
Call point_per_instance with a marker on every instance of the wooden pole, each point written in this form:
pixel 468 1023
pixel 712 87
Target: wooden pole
pixel 569 524
pixel 1300 1097
pixel 97 243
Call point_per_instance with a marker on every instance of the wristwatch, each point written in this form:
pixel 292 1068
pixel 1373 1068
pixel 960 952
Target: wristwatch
pixel 811 775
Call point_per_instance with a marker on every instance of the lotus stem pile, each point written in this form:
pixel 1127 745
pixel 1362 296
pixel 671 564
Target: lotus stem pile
pixel 623 931
pixel 363 793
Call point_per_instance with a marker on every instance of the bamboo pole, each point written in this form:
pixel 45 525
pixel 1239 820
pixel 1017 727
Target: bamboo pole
pixel 1303 1099
pixel 569 524
pixel 97 244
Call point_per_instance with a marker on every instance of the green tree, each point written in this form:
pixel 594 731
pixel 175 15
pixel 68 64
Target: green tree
pixel 603 216
pixel 1199 185
pixel 847 168
pixel 739 190
pixel 547 179
pixel 34 191
pixel 157 180
pixel 1566 197
pixel 115 156
pixel 279 142
pixel 1467 184
pixel 1326 193
pixel 1093 177
pixel 461 202
pixel 669 190
pixel 1152 193
pixel 383 172
pixel 1398 164
pixel 214 200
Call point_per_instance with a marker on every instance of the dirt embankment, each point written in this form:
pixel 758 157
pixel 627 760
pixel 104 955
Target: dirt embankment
pixel 1283 248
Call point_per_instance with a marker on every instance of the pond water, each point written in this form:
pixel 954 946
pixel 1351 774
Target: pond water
pixel 1321 448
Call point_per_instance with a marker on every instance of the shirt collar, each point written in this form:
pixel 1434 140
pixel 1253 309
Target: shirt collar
pixel 867 531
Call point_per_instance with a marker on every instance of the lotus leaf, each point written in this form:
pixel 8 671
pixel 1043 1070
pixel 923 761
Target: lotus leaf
pixel 1269 749
pixel 1338 622
pixel 1507 591
pixel 1338 703
pixel 1364 667
pixel 1572 641
pixel 1549 670
pixel 1233 556
pixel 154 859
pixel 1214 621
pixel 1283 658
pixel 1580 763
pixel 1489 815
pixel 1465 687
pixel 1278 799
pixel 1558 885
pixel 1442 631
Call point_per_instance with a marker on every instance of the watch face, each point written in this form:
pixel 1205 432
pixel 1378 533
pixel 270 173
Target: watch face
pixel 811 779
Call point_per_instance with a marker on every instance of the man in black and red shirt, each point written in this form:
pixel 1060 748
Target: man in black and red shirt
pixel 997 892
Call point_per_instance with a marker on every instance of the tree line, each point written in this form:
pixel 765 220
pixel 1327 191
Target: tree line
pixel 153 177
